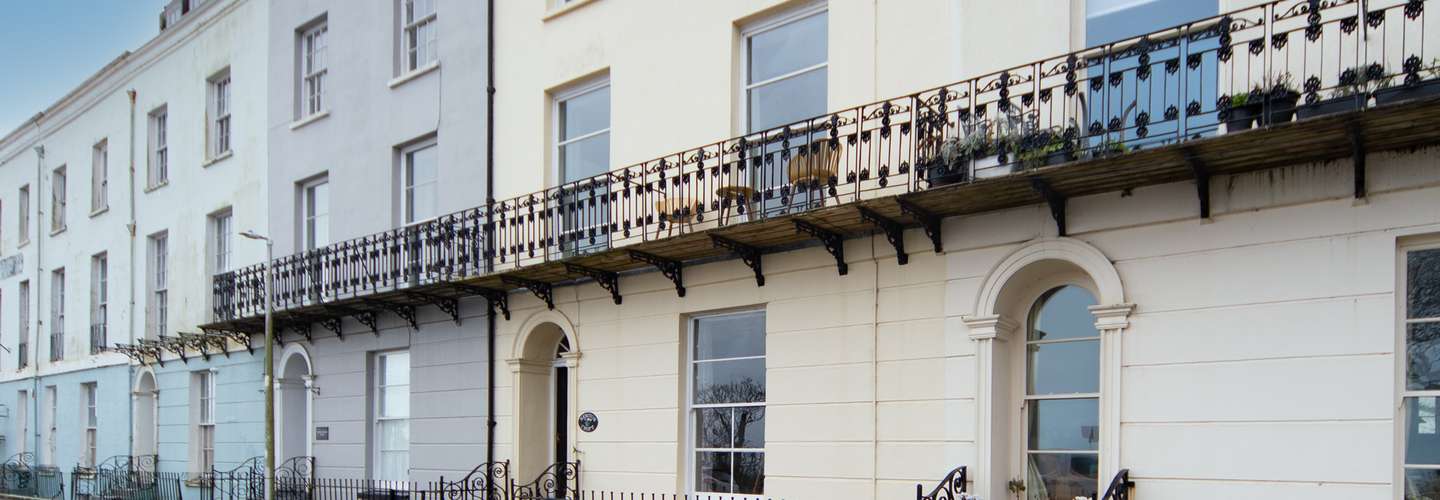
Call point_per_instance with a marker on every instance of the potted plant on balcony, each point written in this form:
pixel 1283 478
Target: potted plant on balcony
pixel 1281 98
pixel 1240 110
pixel 1354 89
pixel 1414 86
pixel 1047 147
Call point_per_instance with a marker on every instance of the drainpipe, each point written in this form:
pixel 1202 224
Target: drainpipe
pixel 39 293
pixel 130 227
pixel 490 228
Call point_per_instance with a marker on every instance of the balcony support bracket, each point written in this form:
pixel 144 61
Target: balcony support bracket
pixel 1052 198
pixel 541 289
pixel 303 328
pixel 333 324
pixel 447 305
pixel 609 280
pixel 894 232
pixel 927 220
pixel 406 312
pixel 492 296
pixel 367 318
pixel 671 268
pixel 1357 145
pixel 749 254
pixel 834 242
pixel 1202 182
pixel 237 337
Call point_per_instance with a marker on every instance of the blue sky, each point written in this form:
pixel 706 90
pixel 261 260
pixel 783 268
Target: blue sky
pixel 50 46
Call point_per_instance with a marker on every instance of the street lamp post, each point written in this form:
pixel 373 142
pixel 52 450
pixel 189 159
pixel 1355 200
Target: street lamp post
pixel 269 363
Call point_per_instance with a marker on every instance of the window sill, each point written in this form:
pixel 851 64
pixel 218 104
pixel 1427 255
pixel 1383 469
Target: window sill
pixel 156 186
pixel 56 232
pixel 223 156
pixel 422 71
pixel 22 243
pixel 97 212
pixel 565 9
pixel 309 119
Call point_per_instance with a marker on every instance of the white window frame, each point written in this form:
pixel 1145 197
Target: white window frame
pixel 57 314
pixel 409 55
pixel 24 341
pixel 407 199
pixel 1406 395
pixel 99 176
pixel 90 418
pixel 378 420
pixel 220 129
pixel 52 424
pixel 314 68
pixel 99 297
pixel 203 428
pixel 58 188
pixel 23 215
pixel 222 229
pixel 22 419
pixel 159 151
pixel 557 166
pixel 767 25
pixel 159 278
pixel 312 214
pixel 691 450
pixel 1021 429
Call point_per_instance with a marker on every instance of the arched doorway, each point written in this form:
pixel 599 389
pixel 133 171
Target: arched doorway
pixel 544 371
pixel 294 389
pixel 146 404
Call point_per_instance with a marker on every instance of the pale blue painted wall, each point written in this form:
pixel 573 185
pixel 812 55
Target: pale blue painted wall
pixel 112 404
pixel 239 408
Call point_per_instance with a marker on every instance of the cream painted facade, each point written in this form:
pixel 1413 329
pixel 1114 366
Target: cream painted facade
pixel 1248 355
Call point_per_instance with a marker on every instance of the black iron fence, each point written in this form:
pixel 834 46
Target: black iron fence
pixel 1260 66
pixel 20 477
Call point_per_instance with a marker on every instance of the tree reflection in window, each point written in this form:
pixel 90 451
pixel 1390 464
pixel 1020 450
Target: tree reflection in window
pixel 728 401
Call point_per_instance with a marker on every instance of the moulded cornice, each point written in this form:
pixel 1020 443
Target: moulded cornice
pixel 990 327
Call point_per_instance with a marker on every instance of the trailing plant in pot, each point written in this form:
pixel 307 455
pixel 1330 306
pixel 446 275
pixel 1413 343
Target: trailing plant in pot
pixel 1355 85
pixel 1240 110
pixel 1047 147
pixel 1419 83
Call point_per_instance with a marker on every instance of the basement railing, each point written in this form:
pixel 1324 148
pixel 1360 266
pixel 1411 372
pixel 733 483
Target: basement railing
pixel 1260 67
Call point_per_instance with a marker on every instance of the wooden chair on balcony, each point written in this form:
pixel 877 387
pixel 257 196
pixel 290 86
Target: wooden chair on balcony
pixel 674 210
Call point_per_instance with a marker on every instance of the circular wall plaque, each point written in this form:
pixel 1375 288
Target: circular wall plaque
pixel 588 422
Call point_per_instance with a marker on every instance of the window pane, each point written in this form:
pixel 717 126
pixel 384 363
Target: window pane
pixel 1062 476
pixel 750 427
pixel 1064 367
pixel 789 100
pixel 1422 352
pixel 1063 314
pixel 712 427
pixel 397 369
pixel 789 48
pixel 423 164
pixel 395 402
pixel 1065 424
pixel 730 336
pixel 730 382
pixel 1422 484
pixel 1424 287
pixel 585 158
pixel 394 466
pixel 585 113
pixel 1422 435
pixel 395 435
pixel 712 472
pixel 749 473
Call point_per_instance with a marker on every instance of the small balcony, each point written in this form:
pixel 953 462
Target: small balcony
pixel 22 351
pixel 1277 84
pixel 57 344
pixel 98 335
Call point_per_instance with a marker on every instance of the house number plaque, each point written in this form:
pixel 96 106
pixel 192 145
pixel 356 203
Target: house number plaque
pixel 588 422
pixel 322 433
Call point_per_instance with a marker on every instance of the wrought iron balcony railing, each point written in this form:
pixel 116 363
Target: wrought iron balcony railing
pixel 1264 66
pixel 57 345
pixel 98 334
pixel 22 351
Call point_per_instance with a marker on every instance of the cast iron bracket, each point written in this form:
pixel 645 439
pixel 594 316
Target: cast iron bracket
pixel 894 232
pixel 541 289
pixel 749 254
pixel 1202 181
pixel 333 324
pixel 927 220
pixel 834 242
pixel 447 305
pixel 492 296
pixel 609 280
pixel 1054 199
pixel 672 269
pixel 168 344
pixel 1357 150
pixel 367 318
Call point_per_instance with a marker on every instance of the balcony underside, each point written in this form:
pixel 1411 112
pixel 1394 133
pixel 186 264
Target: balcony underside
pixel 1399 127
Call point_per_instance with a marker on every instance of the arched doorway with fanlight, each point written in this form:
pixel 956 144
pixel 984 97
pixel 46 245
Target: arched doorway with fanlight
pixel 294 390
pixel 544 368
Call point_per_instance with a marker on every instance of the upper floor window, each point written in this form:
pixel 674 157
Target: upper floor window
pixel 315 212
pixel 313 69
pixel 421 166
pixel 57 200
pixel 57 315
pixel 582 132
pixel 1421 392
pixel 159 151
pixel 1061 404
pixel 23 215
pixel 99 176
pixel 99 301
pixel 727 403
pixel 222 230
pixel 23 346
pixel 417 34
pixel 219 111
pixel 786 69
pixel 159 285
